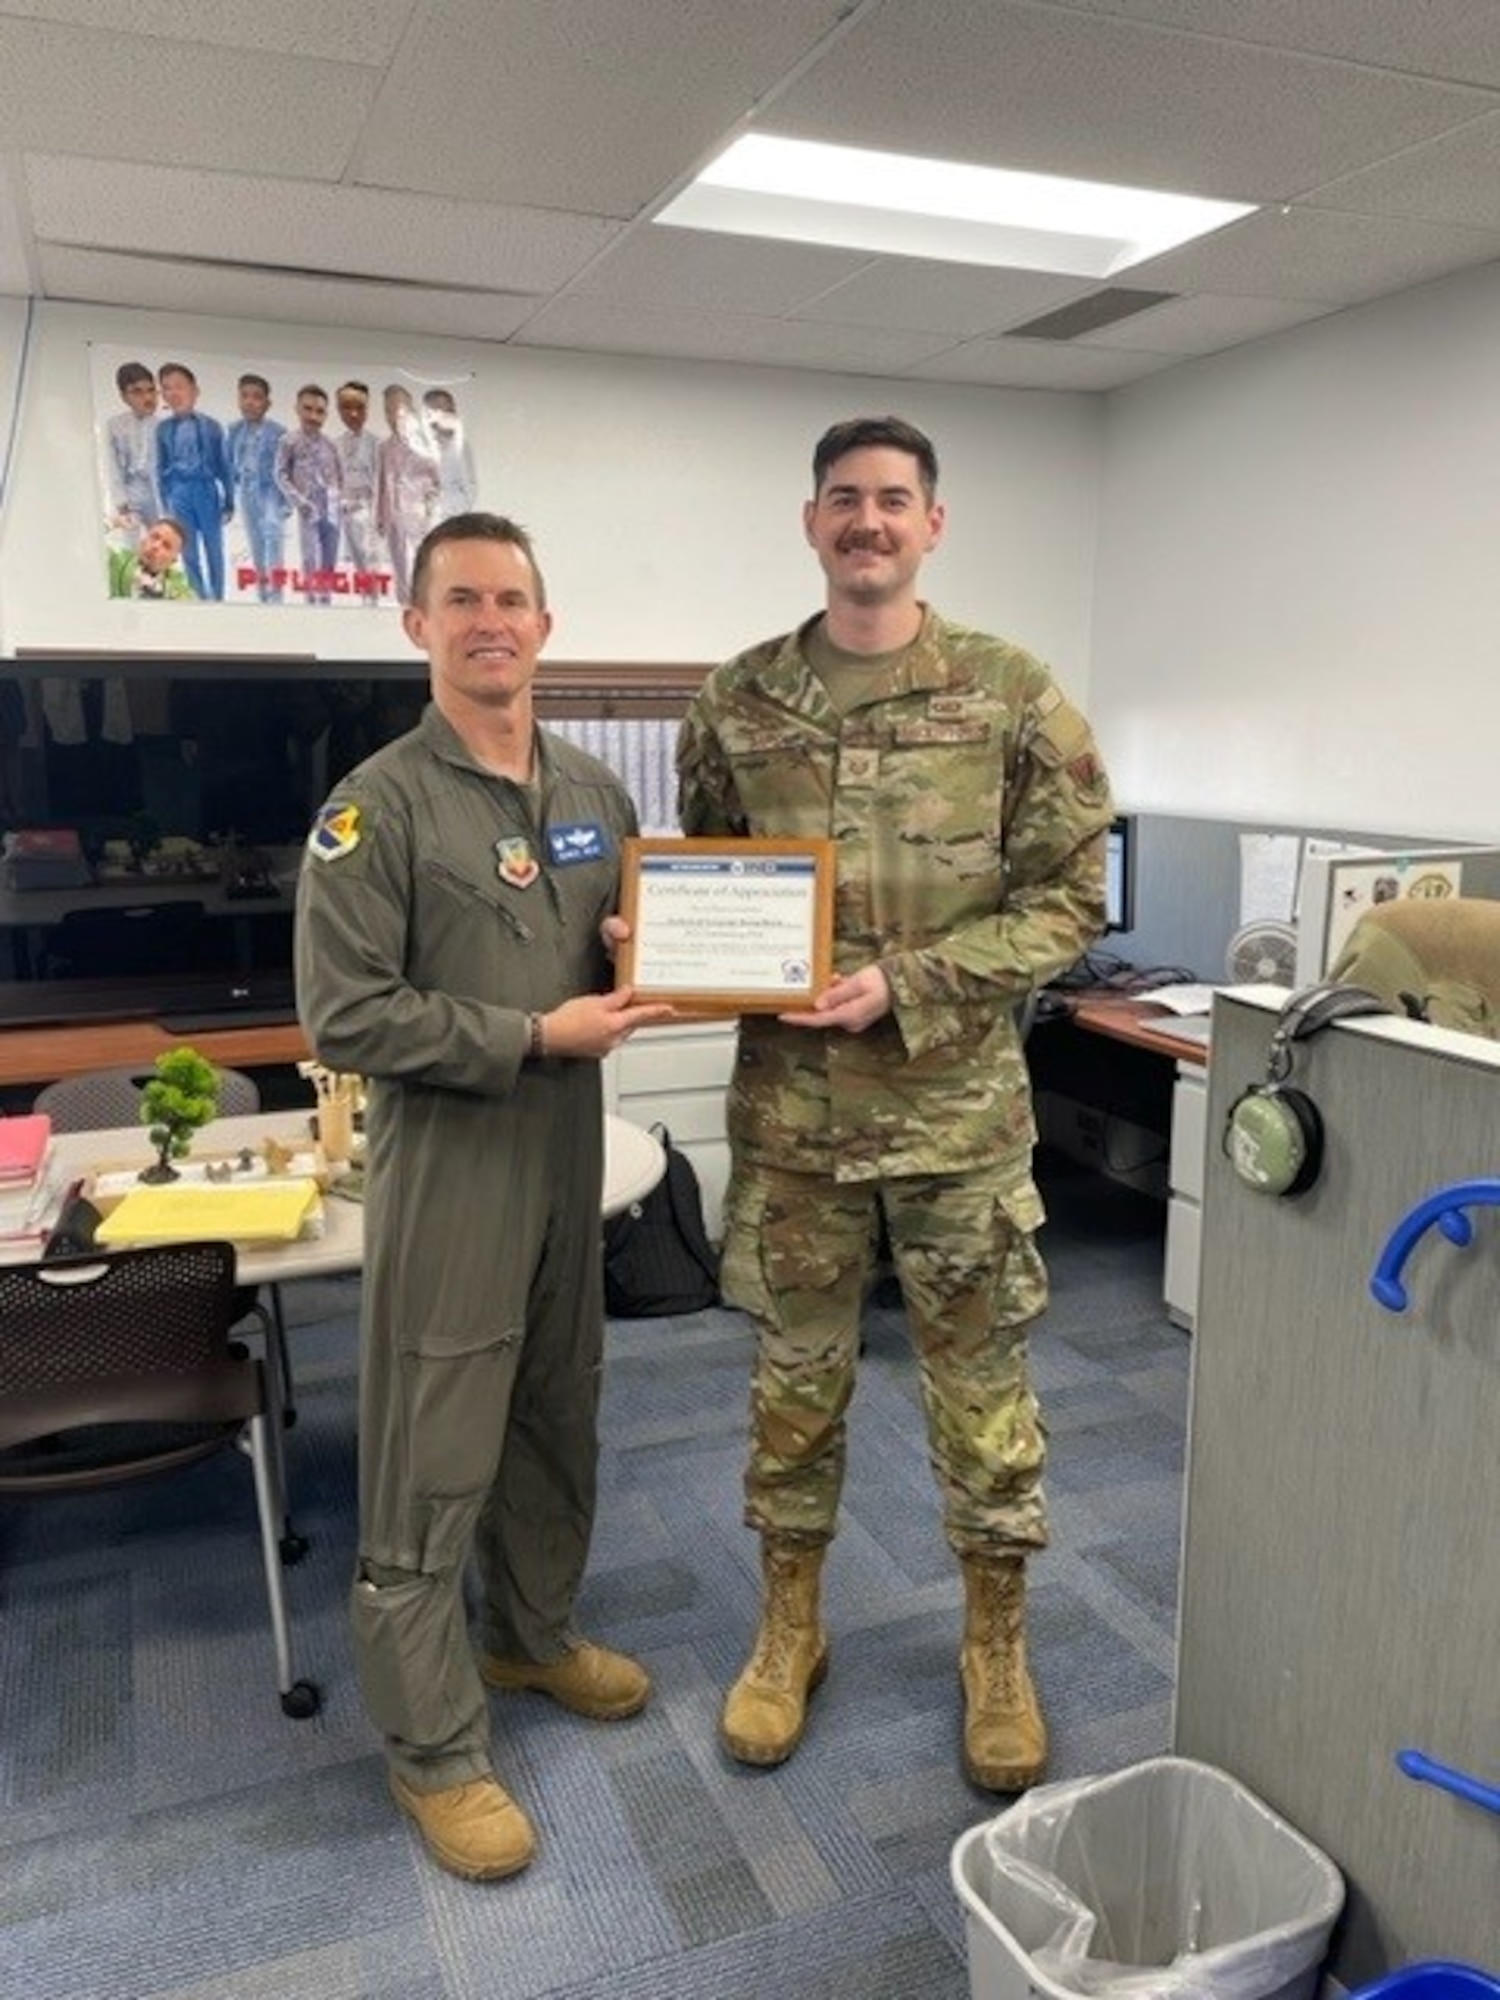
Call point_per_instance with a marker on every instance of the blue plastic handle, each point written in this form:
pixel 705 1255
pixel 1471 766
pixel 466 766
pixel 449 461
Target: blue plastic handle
pixel 1428 1771
pixel 1444 1207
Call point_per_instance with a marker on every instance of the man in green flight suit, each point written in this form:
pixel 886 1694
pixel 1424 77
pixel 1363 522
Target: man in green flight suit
pixel 449 948
pixel 969 807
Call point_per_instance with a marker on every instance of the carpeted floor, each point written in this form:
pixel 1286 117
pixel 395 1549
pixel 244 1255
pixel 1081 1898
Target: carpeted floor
pixel 166 1832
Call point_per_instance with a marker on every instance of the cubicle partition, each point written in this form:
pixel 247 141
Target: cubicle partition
pixel 1188 902
pixel 1341 1572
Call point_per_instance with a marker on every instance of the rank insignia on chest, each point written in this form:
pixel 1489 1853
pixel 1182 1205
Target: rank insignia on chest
pixel 516 863
pixel 568 845
pixel 334 832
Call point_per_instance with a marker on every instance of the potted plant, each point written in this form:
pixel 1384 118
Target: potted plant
pixel 178 1101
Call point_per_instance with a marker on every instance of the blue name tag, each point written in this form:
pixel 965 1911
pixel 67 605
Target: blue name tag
pixel 568 844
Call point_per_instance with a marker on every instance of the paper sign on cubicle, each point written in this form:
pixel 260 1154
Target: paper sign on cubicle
pixel 1268 876
pixel 1359 886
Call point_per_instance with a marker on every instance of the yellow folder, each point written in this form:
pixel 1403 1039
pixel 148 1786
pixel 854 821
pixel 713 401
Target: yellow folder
pixel 263 1212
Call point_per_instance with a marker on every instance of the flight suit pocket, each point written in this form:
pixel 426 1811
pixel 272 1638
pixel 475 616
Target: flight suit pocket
pixel 402 1646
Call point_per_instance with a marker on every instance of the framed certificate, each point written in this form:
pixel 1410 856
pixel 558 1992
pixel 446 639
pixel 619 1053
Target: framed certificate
pixel 727 926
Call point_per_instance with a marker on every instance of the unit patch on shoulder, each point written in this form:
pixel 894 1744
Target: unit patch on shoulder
pixel 335 832
pixel 515 862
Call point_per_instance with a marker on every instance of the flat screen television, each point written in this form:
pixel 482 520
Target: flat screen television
pixel 190 785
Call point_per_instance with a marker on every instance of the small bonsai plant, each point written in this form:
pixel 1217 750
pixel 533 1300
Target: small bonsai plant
pixel 178 1101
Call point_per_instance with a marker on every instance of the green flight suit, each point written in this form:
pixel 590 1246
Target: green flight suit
pixel 969 804
pixel 438 905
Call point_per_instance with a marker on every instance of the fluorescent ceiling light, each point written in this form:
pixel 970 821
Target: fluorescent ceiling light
pixel 802 191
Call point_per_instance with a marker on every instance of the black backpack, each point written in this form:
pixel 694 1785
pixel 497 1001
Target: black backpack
pixel 657 1256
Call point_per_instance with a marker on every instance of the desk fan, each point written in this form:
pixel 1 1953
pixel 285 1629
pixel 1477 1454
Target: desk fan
pixel 1262 953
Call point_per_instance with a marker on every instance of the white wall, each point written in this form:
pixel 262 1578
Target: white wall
pixel 665 497
pixel 1298 610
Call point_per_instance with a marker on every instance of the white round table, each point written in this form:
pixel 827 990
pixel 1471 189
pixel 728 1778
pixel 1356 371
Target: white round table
pixel 634 1161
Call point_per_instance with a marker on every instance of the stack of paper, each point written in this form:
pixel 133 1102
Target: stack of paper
pixel 23 1147
pixel 29 1184
pixel 271 1211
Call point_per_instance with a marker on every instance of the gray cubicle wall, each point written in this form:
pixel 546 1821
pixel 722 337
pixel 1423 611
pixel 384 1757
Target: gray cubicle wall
pixel 1187 886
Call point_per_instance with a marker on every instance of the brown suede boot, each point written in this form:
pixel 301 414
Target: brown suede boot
pixel 766 1709
pixel 1005 1738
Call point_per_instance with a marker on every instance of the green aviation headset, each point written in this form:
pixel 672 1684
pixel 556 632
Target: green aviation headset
pixel 1274 1134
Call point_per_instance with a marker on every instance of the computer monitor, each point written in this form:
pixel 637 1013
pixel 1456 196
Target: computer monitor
pixel 1119 875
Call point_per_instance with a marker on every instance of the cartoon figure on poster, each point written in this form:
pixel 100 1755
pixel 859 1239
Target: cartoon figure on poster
pixel 205 462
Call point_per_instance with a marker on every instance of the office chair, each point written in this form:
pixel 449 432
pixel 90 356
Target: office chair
pixel 101 1098
pixel 120 1365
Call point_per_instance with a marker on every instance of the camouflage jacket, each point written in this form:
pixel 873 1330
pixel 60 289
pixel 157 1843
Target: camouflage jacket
pixel 969 805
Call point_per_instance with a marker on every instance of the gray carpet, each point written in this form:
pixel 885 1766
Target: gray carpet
pixel 166 1832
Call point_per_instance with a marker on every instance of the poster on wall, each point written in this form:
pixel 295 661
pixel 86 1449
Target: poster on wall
pixel 1391 878
pixel 243 480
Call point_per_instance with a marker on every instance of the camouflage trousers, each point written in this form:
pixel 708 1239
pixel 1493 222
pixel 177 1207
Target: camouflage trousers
pixel 799 1254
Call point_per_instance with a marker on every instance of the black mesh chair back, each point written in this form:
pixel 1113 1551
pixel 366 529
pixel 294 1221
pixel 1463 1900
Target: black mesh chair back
pixel 118 1367
pixel 100 1098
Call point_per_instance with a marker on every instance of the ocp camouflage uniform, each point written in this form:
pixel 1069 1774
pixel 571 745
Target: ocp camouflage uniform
pixel 969 805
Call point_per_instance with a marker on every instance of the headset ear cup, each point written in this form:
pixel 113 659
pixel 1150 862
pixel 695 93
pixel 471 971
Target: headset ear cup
pixel 1274 1139
pixel 1300 1107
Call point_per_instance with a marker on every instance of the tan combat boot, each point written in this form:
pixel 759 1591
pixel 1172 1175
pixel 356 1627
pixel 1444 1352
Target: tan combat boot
pixel 766 1709
pixel 1005 1738
pixel 475 1830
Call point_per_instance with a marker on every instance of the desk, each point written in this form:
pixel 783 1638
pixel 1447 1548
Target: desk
pixel 1152 1097
pixel 1143 1024
pixel 633 1163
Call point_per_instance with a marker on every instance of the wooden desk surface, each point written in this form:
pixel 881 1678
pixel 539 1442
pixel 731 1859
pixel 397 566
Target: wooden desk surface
pixel 41 1055
pixel 1144 1024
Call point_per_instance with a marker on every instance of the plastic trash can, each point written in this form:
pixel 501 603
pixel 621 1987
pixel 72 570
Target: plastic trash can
pixel 1433 1979
pixel 1166 1881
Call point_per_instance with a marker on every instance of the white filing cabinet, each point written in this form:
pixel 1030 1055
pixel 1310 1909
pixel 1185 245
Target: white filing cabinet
pixel 1185 1191
pixel 676 1077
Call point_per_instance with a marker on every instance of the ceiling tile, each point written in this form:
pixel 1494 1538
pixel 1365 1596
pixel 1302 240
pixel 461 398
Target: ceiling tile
pixel 166 286
pixel 959 299
pixel 239 220
pixel 1036 364
pixel 62 90
pixel 692 268
pixel 356 31
pixel 1013 84
pixel 1435 38
pixel 602 327
pixel 1202 324
pixel 593 105
pixel 17 279
pixel 1314 254
pixel 1452 179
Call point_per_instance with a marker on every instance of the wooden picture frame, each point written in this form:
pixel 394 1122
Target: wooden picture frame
pixel 727 926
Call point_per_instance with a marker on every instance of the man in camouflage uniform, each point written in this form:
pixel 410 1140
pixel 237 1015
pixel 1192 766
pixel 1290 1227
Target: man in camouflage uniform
pixel 969 807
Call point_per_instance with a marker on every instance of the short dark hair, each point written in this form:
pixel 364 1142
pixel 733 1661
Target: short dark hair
pixel 475 528
pixel 176 368
pixel 129 373
pixel 249 381
pixel 859 433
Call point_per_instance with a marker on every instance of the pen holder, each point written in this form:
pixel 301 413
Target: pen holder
pixel 336 1127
